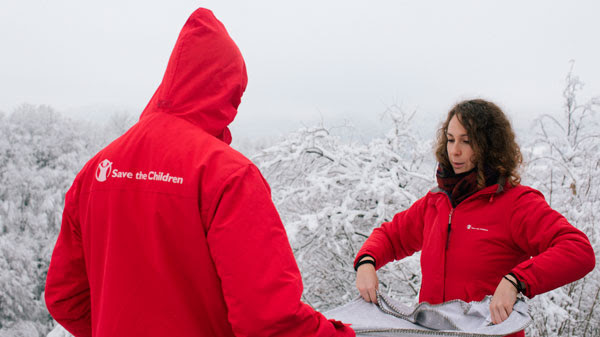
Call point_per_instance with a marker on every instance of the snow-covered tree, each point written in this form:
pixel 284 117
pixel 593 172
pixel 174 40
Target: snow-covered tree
pixel 331 194
pixel 40 153
pixel 564 163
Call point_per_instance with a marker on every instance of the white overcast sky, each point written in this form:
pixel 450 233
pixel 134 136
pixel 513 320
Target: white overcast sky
pixel 308 61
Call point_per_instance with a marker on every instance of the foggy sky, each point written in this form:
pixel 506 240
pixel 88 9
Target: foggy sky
pixel 339 62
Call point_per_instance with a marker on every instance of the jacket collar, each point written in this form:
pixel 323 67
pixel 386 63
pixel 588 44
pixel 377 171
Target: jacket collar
pixel 495 189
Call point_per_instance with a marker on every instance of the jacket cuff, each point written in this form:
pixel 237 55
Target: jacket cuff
pixel 518 272
pixel 359 257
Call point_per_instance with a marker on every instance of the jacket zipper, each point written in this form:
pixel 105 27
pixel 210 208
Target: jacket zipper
pixel 446 251
pixel 449 227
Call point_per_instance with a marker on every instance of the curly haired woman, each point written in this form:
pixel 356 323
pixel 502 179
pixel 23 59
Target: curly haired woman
pixel 480 232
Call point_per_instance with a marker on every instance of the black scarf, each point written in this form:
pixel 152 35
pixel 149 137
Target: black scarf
pixel 461 186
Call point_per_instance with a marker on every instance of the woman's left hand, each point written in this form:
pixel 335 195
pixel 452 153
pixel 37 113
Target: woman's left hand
pixel 503 301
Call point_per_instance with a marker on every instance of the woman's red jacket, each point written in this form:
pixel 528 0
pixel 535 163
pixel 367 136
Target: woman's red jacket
pixel 466 250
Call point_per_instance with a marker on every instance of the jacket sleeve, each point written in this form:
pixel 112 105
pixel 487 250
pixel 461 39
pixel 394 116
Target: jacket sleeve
pixel 67 291
pixel 395 240
pixel 560 252
pixel 261 282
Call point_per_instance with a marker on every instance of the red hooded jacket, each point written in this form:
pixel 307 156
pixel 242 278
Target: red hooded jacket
pixel 493 232
pixel 168 231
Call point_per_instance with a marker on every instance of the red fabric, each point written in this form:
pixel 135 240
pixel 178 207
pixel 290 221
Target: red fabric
pixel 491 235
pixel 170 232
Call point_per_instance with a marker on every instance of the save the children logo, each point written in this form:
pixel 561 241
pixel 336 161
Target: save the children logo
pixel 105 170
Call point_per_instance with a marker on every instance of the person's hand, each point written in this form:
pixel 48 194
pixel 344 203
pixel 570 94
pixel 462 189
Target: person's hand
pixel 367 282
pixel 503 301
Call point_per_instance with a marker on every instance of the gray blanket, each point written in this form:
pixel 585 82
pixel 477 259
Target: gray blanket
pixel 453 318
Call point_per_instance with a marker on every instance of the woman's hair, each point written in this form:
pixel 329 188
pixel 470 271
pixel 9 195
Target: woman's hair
pixel 491 137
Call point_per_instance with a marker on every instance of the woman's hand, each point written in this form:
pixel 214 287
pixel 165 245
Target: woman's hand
pixel 367 282
pixel 503 301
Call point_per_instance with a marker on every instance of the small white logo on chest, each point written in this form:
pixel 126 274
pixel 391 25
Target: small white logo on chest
pixel 476 228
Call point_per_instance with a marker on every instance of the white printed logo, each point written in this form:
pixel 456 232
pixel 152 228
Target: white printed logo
pixel 106 170
pixel 103 170
pixel 475 228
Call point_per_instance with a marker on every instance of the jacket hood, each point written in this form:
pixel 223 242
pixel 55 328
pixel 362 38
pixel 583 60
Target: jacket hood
pixel 205 77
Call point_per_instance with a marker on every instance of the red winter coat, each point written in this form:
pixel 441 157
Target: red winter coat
pixel 493 232
pixel 170 232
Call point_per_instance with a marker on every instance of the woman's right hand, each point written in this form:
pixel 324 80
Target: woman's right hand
pixel 367 282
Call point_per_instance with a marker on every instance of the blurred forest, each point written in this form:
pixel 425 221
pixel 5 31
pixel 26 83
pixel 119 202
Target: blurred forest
pixel 330 193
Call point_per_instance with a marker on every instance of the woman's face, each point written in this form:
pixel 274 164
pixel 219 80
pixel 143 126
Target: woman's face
pixel 459 149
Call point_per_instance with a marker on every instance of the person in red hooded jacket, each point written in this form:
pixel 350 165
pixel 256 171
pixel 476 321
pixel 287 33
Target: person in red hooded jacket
pixel 168 231
pixel 479 231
